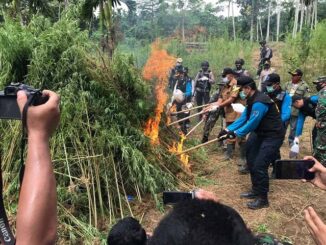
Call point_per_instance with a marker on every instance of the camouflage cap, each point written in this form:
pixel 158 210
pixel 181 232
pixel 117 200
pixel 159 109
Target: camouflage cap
pixel 297 72
pixel 321 79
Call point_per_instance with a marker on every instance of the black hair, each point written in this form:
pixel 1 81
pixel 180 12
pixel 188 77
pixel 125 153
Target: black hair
pixel 202 222
pixel 127 231
pixel 295 98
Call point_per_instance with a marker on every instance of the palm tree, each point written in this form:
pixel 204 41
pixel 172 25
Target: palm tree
pixel 108 40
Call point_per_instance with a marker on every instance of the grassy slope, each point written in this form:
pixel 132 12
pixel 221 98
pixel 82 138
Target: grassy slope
pixel 284 217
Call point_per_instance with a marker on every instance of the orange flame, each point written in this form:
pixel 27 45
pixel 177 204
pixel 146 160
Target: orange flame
pixel 157 67
pixel 177 148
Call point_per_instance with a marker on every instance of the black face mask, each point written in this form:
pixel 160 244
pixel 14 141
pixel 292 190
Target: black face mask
pixel 238 66
pixel 319 86
pixel 205 68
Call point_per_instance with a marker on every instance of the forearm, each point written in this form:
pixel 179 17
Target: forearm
pixel 37 206
pixel 227 102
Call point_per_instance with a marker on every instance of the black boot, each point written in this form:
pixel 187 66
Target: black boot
pixel 244 170
pixel 258 203
pixel 249 195
pixel 204 139
pixel 229 152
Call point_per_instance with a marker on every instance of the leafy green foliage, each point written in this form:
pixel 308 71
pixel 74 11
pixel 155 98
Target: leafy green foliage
pixel 100 154
pixel 307 51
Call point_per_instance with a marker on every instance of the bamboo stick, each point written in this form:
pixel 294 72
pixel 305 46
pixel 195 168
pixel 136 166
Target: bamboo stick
pixel 197 146
pixel 201 145
pixel 193 129
pixel 190 109
pixel 185 118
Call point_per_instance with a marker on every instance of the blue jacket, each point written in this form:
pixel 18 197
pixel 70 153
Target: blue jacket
pixel 286 108
pixel 302 116
pixel 242 126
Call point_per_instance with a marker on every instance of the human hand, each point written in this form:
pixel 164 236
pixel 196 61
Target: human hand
pixel 296 140
pixel 316 226
pixel 189 105
pixel 206 195
pixel 222 133
pixel 43 119
pixel 231 135
pixel 320 173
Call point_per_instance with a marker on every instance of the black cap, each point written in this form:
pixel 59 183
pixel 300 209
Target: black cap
pixel 272 79
pixel 227 71
pixel 245 80
pixel 262 42
pixel 321 79
pixel 297 72
pixel 239 61
pixel 180 69
pixel 296 97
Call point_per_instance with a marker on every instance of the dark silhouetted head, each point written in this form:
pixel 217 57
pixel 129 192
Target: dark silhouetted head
pixel 127 231
pixel 202 222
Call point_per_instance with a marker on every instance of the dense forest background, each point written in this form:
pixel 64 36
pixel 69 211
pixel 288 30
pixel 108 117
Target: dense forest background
pixel 92 53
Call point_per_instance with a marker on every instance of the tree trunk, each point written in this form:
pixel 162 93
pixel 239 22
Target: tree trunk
pixel 278 24
pixel 260 28
pixel 302 8
pixel 233 24
pixel 253 21
pixel 183 26
pixel 257 31
pixel 316 11
pixel 269 20
pixel 296 18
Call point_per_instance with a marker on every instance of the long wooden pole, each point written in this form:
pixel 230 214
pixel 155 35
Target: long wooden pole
pixel 193 129
pixel 197 146
pixel 190 109
pixel 185 118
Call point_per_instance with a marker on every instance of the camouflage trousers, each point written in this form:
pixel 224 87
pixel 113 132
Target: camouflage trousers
pixel 212 118
pixel 320 146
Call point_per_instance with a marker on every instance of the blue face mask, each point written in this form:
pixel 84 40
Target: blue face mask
pixel 270 89
pixel 242 95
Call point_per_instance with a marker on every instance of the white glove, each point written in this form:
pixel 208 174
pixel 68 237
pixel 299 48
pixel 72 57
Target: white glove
pixel 204 78
pixel 189 105
pixel 296 140
pixel 237 107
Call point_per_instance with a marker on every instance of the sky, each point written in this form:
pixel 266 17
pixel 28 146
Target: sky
pixel 225 5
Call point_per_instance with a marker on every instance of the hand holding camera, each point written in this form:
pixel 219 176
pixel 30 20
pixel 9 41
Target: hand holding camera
pixel 42 119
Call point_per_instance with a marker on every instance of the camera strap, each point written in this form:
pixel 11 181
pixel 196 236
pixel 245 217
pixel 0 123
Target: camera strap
pixel 6 235
pixel 24 137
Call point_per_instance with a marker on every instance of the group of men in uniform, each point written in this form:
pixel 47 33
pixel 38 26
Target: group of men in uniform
pixel 260 129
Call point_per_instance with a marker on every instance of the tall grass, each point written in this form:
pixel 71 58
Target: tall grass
pixel 220 53
pixel 99 152
pixel 308 52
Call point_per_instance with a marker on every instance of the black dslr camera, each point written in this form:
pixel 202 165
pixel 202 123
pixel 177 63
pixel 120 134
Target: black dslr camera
pixel 8 100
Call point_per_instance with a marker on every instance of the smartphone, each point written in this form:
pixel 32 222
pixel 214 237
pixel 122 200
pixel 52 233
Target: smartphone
pixel 294 169
pixel 173 197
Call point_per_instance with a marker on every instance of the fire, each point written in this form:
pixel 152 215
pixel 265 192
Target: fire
pixel 177 148
pixel 157 67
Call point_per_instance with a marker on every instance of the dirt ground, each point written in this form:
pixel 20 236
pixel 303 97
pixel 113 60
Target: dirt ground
pixel 283 218
pixel 288 199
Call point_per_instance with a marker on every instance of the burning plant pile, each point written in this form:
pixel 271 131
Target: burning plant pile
pixel 157 70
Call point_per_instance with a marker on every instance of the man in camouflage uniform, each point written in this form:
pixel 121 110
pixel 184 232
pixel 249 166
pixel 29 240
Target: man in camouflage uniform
pixel 229 95
pixel 212 116
pixel 295 87
pixel 320 144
